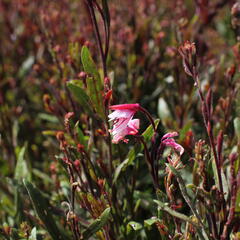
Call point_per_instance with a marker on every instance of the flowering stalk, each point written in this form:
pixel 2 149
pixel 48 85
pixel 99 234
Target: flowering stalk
pixel 98 37
pixel 188 53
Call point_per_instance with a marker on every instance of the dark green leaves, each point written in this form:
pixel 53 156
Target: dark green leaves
pixel 90 98
pixel 42 209
pixel 80 95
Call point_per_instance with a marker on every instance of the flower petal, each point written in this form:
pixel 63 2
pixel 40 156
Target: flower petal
pixel 132 107
pixel 170 135
pixel 121 114
pixel 171 143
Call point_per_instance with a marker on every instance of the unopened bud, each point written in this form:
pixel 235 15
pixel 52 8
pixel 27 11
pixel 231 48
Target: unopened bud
pixel 60 136
pixel 87 43
pixel 77 163
pixel 108 96
pixel 235 11
pixel 188 52
pixel 82 75
pixel 80 147
pixel 46 99
pixel 67 118
pixel 231 72
pixel 57 48
pixel 47 102
pixel 107 84
pixel 187 49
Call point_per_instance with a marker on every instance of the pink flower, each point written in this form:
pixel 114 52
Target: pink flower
pixel 123 123
pixel 168 141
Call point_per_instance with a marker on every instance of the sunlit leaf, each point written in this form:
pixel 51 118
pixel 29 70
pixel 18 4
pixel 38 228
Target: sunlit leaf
pixel 98 224
pixel 94 82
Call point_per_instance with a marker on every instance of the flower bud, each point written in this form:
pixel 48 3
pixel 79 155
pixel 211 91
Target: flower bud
pixel 67 118
pixel 60 136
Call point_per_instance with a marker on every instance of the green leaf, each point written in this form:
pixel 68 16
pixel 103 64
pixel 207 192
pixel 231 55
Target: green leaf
pixel 89 65
pixel 81 138
pixel 134 226
pixel 238 201
pixel 150 221
pixel 22 169
pixel 48 117
pixel 80 95
pixel 26 66
pixel 33 235
pixel 164 207
pixel 225 185
pixel 95 94
pixel 42 208
pixel 18 202
pixel 215 173
pixel 184 130
pixel 163 110
pixel 94 82
pixel 106 11
pixel 44 177
pixel 133 153
pixel 97 224
pixel 237 127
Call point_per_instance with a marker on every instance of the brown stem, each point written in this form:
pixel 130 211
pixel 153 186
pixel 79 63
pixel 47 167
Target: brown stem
pixel 98 37
pixel 148 116
pixel 149 162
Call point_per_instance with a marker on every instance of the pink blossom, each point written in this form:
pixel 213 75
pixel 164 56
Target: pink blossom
pixel 123 123
pixel 168 141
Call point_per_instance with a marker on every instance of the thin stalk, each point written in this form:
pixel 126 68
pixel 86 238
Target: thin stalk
pixel 209 130
pixel 149 163
pixel 187 198
pixel 148 116
pixel 181 216
pixel 98 37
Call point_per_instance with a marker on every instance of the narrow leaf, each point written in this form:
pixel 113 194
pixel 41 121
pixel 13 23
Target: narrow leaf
pixel 22 170
pixel 95 94
pixel 164 207
pixel 88 64
pixel 97 224
pixel 134 226
pixel 106 11
pixel 150 221
pixel 42 209
pixel 237 127
pixel 94 82
pixel 33 235
pixel 80 95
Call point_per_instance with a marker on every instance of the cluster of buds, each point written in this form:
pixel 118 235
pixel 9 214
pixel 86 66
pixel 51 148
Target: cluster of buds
pixel 47 103
pixel 61 138
pixel 188 53
pixel 67 118
pixel 235 11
